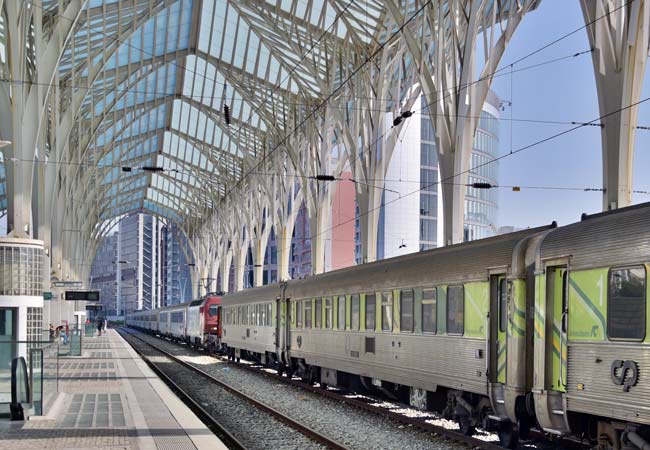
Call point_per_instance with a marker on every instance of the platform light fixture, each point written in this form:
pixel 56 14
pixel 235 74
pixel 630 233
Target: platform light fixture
pixel 4 143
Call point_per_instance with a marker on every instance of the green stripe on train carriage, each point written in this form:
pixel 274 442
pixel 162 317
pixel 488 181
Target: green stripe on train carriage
pixel 587 301
pixel 518 330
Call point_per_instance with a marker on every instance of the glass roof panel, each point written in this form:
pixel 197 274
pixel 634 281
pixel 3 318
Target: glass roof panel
pixel 246 55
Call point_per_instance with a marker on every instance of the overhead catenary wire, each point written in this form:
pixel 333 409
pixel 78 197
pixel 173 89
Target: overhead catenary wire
pixel 507 155
pixel 399 30
pixel 396 33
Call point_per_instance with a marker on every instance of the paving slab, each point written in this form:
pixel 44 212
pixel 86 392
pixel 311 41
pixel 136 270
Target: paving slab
pixel 110 399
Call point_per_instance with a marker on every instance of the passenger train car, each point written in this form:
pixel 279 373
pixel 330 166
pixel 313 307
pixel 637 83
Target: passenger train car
pixel 196 322
pixel 545 327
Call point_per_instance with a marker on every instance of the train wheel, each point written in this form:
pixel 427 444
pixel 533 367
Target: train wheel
pixel 508 437
pixel 465 424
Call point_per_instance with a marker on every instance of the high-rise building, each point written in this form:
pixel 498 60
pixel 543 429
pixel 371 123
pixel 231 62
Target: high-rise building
pixel 103 274
pixel 141 266
pixel 176 282
pixel 398 232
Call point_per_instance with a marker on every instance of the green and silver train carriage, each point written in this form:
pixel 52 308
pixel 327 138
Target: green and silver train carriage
pixel 545 327
pixel 591 339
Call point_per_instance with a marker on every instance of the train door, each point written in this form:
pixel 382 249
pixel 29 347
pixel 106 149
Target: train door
pixel 557 320
pixel 287 328
pixel 279 319
pixel 551 321
pixel 498 335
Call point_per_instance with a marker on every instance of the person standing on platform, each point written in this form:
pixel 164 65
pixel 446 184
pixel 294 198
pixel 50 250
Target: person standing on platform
pixel 51 332
pixel 99 327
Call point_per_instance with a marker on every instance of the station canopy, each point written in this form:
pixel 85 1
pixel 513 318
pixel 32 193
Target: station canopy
pixel 156 76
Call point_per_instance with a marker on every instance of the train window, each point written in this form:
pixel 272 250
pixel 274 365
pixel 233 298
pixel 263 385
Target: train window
pixel 455 310
pixel 319 313
pixel 503 305
pixel 212 310
pixel 354 311
pixel 371 307
pixel 387 311
pixel 341 310
pixel 299 314
pixel 406 310
pixel 328 313
pixel 307 313
pixel 429 318
pixel 626 304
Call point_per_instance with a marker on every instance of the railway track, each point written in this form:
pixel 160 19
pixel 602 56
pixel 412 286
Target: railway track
pixel 236 434
pixel 365 403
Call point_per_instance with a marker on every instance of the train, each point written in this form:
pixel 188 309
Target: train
pixel 545 327
pixel 195 323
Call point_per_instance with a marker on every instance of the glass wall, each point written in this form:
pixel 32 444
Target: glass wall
pixel 7 351
pixel 428 183
pixel 481 204
pixel 21 270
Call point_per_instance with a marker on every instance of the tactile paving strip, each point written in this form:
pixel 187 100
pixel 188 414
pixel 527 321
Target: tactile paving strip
pixel 95 411
pixel 80 365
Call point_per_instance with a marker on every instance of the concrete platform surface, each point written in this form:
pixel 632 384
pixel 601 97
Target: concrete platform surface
pixel 110 399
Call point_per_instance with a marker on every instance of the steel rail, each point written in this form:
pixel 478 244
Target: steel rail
pixel 303 429
pixel 368 407
pixel 365 406
pixel 213 424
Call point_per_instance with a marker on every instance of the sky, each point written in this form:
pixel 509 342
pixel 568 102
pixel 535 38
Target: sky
pixel 561 91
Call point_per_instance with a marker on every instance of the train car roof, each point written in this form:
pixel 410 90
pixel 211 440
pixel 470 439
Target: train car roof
pixel 459 263
pixel 196 302
pixel 259 294
pixel 615 237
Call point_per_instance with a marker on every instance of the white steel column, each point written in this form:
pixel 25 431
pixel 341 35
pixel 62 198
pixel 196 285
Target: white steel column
pixel 453 86
pixel 620 43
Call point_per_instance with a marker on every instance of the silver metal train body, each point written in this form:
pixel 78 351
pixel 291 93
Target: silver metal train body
pixel 506 333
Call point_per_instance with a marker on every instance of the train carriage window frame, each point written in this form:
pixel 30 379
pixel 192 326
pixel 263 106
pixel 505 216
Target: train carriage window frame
pixel 318 320
pixel 308 316
pixel 406 314
pixel 299 314
pixel 269 314
pixel 502 304
pixel 434 310
pixel 329 313
pixel 372 310
pixel 355 319
pixel 456 327
pixel 341 309
pixel 623 333
pixel 387 313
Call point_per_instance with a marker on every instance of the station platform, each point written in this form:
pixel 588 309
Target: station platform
pixel 110 399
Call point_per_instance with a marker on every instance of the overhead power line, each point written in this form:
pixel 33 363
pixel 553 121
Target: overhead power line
pixel 514 152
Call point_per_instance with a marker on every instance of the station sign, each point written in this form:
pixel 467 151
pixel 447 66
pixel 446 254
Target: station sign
pixel 47 296
pixel 88 296
pixel 68 284
pixel 93 307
